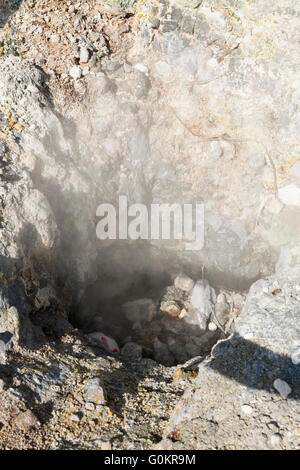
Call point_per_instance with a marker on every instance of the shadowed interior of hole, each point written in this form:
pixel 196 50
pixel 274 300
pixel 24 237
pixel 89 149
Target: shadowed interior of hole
pixel 127 272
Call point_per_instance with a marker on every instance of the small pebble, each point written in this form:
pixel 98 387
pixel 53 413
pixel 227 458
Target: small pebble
pixel 26 420
pixel 84 55
pixel 212 326
pixel 296 357
pixel 247 409
pixel 184 282
pixel 76 72
pixel 282 388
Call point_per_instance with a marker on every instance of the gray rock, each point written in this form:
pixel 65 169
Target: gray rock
pixel 132 351
pixel 282 388
pixel 94 391
pixel 222 310
pixel 162 354
pixel 184 282
pixel 202 300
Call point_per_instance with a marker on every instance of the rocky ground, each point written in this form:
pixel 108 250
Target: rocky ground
pixel 162 101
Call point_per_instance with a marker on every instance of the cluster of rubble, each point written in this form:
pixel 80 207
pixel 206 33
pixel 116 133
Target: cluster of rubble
pixel 187 322
pixel 65 39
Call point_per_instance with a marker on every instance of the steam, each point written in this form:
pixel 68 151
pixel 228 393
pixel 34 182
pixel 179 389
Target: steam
pixel 155 128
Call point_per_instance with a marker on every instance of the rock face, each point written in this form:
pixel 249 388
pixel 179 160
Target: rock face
pixel 247 375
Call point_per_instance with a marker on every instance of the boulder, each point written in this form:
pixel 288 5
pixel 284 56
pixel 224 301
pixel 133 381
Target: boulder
pixel 252 369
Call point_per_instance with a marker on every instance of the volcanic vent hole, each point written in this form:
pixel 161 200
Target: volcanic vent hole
pixel 136 299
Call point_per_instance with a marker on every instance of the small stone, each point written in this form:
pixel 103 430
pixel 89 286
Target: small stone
pixel 184 282
pixel 171 308
pixel 202 299
pixel 282 388
pixel 247 409
pixel 75 72
pixel 132 351
pixel 94 391
pixel 75 418
pixel 183 313
pixel 222 310
pixel 90 406
pixel 84 55
pixel 26 420
pixel 212 326
pixel 296 357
